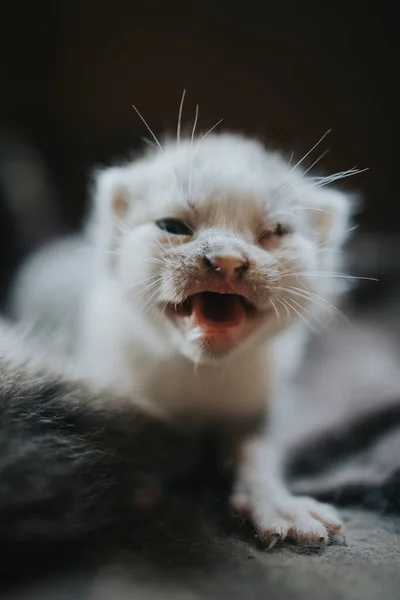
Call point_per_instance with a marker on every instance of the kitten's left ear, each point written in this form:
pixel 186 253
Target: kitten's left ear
pixel 332 211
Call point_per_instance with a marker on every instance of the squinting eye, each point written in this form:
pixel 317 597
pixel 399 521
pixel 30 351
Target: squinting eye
pixel 174 226
pixel 280 230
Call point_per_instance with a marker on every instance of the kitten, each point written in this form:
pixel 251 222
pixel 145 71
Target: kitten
pixel 202 266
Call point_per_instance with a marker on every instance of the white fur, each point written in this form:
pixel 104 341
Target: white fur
pixel 229 190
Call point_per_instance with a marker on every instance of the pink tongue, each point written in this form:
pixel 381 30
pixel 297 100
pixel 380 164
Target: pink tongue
pixel 217 310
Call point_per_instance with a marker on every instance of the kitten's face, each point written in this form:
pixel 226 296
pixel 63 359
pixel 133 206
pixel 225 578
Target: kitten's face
pixel 219 243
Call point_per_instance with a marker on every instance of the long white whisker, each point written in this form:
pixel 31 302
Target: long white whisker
pixel 142 281
pixel 178 129
pixel 122 228
pixel 169 242
pixel 194 124
pixel 327 242
pixel 160 245
pixel 352 229
pixel 327 274
pixel 316 299
pixel 285 186
pixel 152 259
pixel 302 317
pixel 187 225
pixel 323 181
pixel 199 143
pixel 148 301
pixel 315 162
pixel 210 130
pixel 276 310
pixel 191 149
pixel 312 315
pixel 313 148
pixel 314 208
pixel 148 289
pixel 148 142
pixel 287 213
pixel 148 128
pixel 288 315
pixel 150 286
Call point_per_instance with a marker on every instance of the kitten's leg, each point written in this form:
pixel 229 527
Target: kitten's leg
pixel 261 495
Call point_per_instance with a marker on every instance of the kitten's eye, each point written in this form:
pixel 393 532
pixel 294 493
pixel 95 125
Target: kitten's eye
pixel 280 230
pixel 174 226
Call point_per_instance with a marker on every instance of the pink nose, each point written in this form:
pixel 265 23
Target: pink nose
pixel 228 266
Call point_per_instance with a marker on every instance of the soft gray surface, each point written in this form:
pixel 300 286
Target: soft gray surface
pixel 368 567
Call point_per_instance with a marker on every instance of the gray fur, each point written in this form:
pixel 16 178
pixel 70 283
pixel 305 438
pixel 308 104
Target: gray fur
pixel 70 463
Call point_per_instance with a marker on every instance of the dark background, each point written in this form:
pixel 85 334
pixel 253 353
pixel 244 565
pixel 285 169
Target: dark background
pixel 286 72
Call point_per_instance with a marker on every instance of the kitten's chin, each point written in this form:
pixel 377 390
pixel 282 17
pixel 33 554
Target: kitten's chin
pixel 199 356
pixel 212 351
pixel 214 327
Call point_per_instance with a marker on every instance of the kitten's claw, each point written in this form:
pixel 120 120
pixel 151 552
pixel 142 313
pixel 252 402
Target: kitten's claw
pixel 299 519
pixel 274 541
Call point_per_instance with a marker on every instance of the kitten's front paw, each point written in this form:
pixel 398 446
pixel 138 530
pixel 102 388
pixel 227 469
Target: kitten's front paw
pixel 298 519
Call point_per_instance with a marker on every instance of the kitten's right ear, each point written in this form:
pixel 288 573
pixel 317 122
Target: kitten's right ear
pixel 110 204
pixel 110 191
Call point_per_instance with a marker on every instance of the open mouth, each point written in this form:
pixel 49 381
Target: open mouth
pixel 210 309
pixel 219 321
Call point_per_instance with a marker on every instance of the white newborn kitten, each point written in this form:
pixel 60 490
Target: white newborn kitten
pixel 210 257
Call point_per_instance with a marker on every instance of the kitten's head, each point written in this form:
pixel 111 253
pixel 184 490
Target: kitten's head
pixel 218 242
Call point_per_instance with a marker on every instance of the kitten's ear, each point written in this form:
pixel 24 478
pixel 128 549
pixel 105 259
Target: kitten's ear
pixel 111 193
pixel 110 204
pixel 332 211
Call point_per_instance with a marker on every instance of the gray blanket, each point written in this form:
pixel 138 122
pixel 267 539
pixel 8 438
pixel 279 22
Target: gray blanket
pixel 219 567
pixel 344 440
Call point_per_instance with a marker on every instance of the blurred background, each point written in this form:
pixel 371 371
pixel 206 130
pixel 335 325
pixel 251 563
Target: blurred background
pixel 285 72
